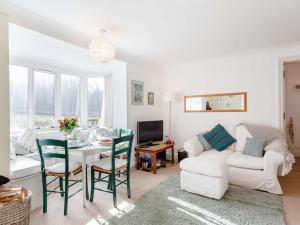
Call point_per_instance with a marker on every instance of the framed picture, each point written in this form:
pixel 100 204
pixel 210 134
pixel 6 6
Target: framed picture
pixel 150 98
pixel 137 92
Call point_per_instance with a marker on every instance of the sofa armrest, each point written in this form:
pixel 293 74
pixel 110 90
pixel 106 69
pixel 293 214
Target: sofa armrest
pixel 193 147
pixel 272 160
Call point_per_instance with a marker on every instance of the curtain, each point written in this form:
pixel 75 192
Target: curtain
pixel 107 108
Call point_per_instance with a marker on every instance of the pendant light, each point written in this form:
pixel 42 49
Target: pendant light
pixel 101 48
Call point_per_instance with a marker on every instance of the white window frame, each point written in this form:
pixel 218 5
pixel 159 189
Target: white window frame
pixel 83 83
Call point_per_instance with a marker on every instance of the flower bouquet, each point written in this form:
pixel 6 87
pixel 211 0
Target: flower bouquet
pixel 67 125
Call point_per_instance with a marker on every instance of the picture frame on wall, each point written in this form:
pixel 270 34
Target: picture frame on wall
pixel 137 92
pixel 150 98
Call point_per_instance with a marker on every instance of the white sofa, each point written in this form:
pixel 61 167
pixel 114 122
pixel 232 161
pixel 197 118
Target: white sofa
pixel 200 173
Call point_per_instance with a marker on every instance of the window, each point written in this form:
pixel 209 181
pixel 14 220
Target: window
pixel 39 97
pixel 95 99
pixel 70 95
pixel 44 99
pixel 18 78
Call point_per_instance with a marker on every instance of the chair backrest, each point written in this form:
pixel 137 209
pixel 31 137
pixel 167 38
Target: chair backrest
pixel 49 154
pixel 125 132
pixel 126 147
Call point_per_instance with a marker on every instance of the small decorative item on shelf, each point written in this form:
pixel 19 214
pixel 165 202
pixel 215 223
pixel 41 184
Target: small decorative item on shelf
pixel 67 125
pixel 169 141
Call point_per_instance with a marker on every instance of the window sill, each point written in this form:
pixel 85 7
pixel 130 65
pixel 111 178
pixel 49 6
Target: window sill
pixel 22 167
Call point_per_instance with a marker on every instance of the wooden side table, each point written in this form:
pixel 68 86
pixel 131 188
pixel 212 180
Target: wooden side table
pixel 153 151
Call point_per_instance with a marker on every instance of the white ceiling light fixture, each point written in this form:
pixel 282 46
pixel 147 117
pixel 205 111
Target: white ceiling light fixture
pixel 101 48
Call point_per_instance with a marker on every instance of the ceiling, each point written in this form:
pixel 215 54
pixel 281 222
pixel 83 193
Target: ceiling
pixel 30 47
pixel 171 32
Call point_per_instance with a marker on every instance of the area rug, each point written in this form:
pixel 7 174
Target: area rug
pixel 167 204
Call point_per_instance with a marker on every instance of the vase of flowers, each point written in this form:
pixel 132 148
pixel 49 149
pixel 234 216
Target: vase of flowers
pixel 67 125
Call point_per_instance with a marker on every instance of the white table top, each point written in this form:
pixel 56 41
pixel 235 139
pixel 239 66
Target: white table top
pixel 92 147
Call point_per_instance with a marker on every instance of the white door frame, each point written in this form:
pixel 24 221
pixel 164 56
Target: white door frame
pixel 282 91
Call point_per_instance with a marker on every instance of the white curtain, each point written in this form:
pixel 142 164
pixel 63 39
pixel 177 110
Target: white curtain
pixel 107 108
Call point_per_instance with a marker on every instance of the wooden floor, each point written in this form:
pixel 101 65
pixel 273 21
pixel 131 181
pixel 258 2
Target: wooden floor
pixel 291 194
pixel 102 209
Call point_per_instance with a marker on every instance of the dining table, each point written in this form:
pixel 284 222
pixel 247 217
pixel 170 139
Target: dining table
pixel 81 154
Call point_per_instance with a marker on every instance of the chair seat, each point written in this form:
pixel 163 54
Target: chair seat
pixel 105 164
pixel 59 169
pixel 108 154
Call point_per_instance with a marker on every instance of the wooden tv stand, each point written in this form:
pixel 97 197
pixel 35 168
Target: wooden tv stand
pixel 153 150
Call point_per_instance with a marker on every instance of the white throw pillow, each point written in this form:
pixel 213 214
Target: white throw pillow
pixel 193 147
pixel 28 139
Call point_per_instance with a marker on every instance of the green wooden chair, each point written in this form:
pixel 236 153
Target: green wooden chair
pixel 122 133
pixel 125 132
pixel 111 166
pixel 60 171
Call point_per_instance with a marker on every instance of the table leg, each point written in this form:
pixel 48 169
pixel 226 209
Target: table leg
pixel 137 156
pixel 153 163
pixel 172 154
pixel 84 179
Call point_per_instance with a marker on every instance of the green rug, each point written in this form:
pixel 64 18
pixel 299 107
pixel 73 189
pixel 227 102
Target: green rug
pixel 167 204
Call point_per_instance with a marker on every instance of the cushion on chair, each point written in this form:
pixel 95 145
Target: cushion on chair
pixel 60 167
pixel 106 163
pixel 239 160
pixel 210 163
pixel 108 154
pixel 219 138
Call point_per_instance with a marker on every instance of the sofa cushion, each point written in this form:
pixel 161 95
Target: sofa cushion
pixel 219 138
pixel 203 141
pixel 193 147
pixel 254 147
pixel 239 160
pixel 27 139
pixel 18 148
pixel 23 167
pixel 210 163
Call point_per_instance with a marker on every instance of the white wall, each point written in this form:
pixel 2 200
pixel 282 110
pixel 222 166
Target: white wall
pixel 257 73
pixel 151 76
pixel 292 102
pixel 4 96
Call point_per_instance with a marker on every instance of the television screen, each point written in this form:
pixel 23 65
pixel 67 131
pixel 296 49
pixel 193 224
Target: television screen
pixel 149 131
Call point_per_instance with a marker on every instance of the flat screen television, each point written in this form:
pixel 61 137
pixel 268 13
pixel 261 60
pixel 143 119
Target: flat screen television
pixel 150 131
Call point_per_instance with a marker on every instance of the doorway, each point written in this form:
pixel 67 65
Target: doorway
pixel 292 105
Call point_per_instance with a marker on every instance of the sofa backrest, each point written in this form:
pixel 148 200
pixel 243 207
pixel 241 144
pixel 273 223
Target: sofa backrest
pixel 242 134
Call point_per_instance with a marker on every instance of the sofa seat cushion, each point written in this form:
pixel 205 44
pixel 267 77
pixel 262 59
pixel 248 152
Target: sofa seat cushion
pixel 210 163
pixel 239 160
pixel 23 167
